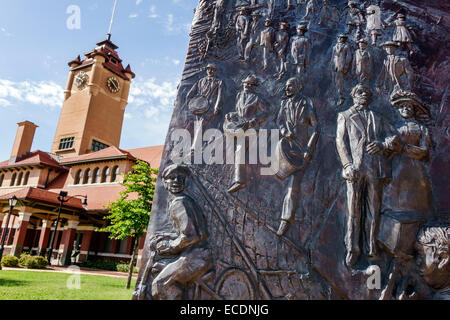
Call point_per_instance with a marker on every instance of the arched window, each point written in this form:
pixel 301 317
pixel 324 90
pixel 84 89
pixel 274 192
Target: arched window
pixel 78 177
pixel 2 177
pixel 87 175
pixel 96 175
pixel 114 174
pixel 27 176
pixel 105 174
pixel 19 181
pixel 13 179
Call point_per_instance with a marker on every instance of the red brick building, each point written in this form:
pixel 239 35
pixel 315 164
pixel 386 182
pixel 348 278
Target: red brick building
pixel 85 160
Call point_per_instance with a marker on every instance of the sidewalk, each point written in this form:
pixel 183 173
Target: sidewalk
pixel 96 272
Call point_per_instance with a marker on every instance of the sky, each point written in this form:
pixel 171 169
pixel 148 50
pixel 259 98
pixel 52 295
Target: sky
pixel 39 38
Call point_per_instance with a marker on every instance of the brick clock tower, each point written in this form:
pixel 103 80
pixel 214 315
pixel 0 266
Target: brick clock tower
pixel 94 102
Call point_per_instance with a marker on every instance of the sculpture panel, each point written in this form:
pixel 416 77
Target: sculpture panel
pixel 323 206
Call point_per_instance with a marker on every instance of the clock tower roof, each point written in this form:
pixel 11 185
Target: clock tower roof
pixel 113 63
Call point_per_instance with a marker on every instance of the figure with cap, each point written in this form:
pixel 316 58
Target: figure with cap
pixel 267 38
pixel 281 46
pixel 299 128
pixel 341 64
pixel 205 99
pixel 325 15
pixel 410 190
pixel 396 72
pixel 354 19
pixel 361 144
pixel 184 255
pixel 363 62
pixel 243 31
pixel 251 112
pixel 257 25
pixel 301 49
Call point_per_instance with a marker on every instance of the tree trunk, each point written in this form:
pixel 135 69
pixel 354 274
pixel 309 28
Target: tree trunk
pixel 132 262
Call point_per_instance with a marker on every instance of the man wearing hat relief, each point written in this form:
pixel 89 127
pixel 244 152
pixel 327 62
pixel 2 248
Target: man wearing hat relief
pixel 342 64
pixel 281 46
pixel 300 49
pixel 267 38
pixel 251 112
pixel 243 31
pixel 206 94
pixel 187 242
pixel 363 62
pixel 257 25
pixel 396 72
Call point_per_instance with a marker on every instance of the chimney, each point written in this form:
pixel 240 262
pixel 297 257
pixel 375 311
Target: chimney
pixel 23 141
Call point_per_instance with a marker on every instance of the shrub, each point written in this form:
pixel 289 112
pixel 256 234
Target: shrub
pixel 33 262
pixel 125 267
pixel 23 258
pixel 9 261
pixel 100 264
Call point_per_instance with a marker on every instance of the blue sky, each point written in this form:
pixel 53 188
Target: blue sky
pixel 36 44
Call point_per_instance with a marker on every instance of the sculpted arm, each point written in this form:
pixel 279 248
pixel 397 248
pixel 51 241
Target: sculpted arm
pixel 315 133
pixel 419 152
pixel 341 137
pixel 187 233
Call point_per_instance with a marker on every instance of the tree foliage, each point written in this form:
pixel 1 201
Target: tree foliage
pixel 129 215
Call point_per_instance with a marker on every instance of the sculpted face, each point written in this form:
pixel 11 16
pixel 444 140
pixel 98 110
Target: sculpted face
pixel 406 110
pixel 211 72
pixel 174 183
pixel 291 89
pixel 248 87
pixel 362 97
pixel 390 50
pixel 362 45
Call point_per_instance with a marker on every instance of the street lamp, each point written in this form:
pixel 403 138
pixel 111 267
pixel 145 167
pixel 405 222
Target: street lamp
pixel 62 199
pixel 12 203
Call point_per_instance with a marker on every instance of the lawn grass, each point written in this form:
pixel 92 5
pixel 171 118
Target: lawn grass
pixel 33 285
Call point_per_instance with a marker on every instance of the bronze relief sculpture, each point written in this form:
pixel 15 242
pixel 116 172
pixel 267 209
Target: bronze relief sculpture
pixel 345 107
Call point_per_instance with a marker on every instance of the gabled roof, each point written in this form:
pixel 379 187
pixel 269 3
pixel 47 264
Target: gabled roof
pixel 41 195
pixel 111 153
pixel 152 155
pixel 34 158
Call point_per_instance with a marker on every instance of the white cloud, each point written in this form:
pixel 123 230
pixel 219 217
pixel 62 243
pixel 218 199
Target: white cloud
pixel 43 93
pixel 138 2
pixel 153 14
pixel 133 15
pixel 5 32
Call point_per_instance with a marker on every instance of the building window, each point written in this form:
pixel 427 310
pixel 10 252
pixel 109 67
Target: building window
pixel 13 179
pixel 97 146
pixel 96 175
pixel 87 175
pixel 78 177
pixel 27 176
pixel 66 143
pixel 2 177
pixel 114 174
pixel 19 181
pixel 105 174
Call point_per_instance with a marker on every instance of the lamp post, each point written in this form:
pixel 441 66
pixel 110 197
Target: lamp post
pixel 62 199
pixel 12 203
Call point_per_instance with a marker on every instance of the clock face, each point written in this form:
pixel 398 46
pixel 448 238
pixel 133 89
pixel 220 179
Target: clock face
pixel 113 84
pixel 81 79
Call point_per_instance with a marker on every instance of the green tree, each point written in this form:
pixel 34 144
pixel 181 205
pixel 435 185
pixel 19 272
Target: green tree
pixel 129 215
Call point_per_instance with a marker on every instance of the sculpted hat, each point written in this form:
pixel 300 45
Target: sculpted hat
pixel 351 3
pixel 211 66
pixel 181 169
pixel 401 15
pixel 251 79
pixel 343 35
pixel 390 44
pixel 362 41
pixel 399 97
pixel 302 26
pixel 284 24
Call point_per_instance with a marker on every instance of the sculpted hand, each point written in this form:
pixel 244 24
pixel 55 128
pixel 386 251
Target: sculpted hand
pixel 374 147
pixel 216 111
pixel 307 156
pixel 350 173
pixel 163 247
